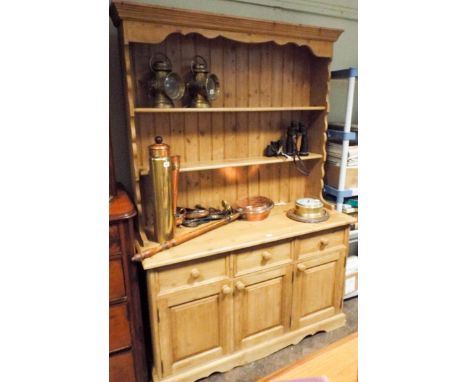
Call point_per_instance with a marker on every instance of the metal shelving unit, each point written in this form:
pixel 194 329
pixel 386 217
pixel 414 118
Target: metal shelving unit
pixel 344 136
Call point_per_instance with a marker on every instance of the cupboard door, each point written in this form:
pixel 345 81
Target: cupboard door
pixel 262 306
pixel 195 326
pixel 318 288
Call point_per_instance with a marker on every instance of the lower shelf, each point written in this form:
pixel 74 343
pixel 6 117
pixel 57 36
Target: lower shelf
pixel 236 162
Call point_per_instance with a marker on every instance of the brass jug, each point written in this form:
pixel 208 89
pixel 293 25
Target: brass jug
pixel 164 178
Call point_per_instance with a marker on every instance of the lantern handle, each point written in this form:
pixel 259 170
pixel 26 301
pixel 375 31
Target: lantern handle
pixel 194 61
pixel 153 56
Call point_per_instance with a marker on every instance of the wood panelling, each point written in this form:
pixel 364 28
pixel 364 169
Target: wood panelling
pixel 272 75
pixel 251 75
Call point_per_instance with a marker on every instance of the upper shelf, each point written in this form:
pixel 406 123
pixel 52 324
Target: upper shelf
pixel 225 109
pixel 238 162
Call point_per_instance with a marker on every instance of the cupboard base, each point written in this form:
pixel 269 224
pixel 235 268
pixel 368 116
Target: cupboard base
pixel 254 353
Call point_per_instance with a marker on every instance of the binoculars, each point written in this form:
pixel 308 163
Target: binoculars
pixel 297 132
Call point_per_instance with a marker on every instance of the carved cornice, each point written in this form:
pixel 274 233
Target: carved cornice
pixel 211 25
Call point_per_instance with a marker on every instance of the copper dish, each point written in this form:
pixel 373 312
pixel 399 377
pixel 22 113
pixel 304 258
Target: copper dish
pixel 254 208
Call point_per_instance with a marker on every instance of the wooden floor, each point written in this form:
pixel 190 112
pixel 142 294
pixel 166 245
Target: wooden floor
pixel 338 362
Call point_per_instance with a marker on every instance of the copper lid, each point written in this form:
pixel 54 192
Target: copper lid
pixel 254 204
pixel 159 149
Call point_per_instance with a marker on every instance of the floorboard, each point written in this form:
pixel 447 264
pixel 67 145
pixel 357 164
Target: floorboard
pixel 338 362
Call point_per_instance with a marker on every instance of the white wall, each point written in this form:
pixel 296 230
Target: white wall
pixel 340 14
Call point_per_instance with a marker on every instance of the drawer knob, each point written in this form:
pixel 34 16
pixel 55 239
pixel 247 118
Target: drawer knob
pixel 227 289
pixel 323 242
pixel 195 273
pixel 266 255
pixel 240 285
pixel 301 267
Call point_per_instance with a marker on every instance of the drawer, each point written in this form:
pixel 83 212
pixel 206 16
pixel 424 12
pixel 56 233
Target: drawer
pixel 262 257
pixel 193 273
pixel 116 280
pixel 121 367
pixel 119 330
pixel 314 244
pixel 114 240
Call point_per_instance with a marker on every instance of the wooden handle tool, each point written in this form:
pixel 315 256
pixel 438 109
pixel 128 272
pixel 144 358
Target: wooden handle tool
pixel 185 237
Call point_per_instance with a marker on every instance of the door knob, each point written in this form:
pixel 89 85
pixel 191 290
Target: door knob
pixel 323 242
pixel 266 255
pixel 240 285
pixel 301 267
pixel 227 289
pixel 195 273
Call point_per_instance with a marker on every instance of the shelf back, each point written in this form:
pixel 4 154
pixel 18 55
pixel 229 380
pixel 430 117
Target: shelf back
pixel 251 75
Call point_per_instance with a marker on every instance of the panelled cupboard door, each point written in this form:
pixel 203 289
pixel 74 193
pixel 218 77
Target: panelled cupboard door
pixel 195 326
pixel 262 306
pixel 318 288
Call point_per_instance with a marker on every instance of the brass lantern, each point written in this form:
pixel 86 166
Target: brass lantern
pixel 203 86
pixel 166 86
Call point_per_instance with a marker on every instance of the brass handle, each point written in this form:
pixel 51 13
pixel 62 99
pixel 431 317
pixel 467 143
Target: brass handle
pixel 240 285
pixel 301 267
pixel 227 289
pixel 323 242
pixel 195 273
pixel 266 255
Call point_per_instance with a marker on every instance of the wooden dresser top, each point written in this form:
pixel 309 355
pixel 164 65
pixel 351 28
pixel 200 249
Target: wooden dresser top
pixel 242 234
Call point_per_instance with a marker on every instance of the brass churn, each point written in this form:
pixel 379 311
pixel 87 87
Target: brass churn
pixel 163 170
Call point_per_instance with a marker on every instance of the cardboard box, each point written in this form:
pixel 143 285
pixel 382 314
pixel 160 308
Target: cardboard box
pixel 332 174
pixel 351 278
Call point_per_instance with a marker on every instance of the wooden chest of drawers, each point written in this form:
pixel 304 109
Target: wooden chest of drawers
pixel 127 354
